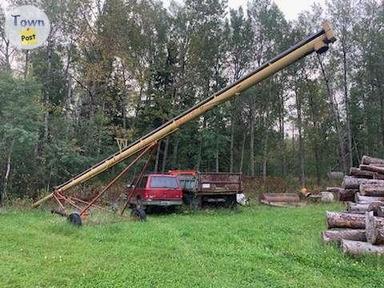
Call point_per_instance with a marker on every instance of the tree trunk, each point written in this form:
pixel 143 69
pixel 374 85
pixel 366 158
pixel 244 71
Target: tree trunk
pixel 46 94
pixel 242 153
pixel 381 96
pixel 336 116
pixel 335 189
pixel 356 208
pixel 350 182
pixel 199 151
pixel 280 197
pixel 376 208
pixel 252 142
pixel 367 199
pixel 374 229
pixel 348 195
pixel 217 155
pixel 301 142
pixel 175 152
pixel 345 220
pixel 3 194
pixel 232 144
pixel 282 136
pixel 26 66
pixel 369 190
pixel 315 140
pixel 157 160
pixel 362 208
pixel 378 176
pixel 360 248
pixel 356 172
pixel 165 155
pixel 372 168
pixel 346 103
pixel 336 235
pixel 7 61
pixel 265 157
pixel 371 160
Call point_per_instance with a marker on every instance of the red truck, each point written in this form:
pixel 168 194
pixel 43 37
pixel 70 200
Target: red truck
pixel 156 190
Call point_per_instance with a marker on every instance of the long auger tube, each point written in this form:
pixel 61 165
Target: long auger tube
pixel 314 43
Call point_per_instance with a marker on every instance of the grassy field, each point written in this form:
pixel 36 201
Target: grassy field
pixel 251 247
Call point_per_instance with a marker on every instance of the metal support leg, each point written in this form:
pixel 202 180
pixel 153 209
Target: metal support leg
pixel 138 179
pixel 116 178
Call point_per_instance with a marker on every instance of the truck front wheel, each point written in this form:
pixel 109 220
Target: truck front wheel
pixel 138 213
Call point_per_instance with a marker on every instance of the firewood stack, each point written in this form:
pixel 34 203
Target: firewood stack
pixel 360 229
pixel 367 180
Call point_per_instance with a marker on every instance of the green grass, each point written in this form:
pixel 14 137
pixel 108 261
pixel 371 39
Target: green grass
pixel 252 247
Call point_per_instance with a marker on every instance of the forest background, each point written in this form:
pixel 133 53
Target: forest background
pixel 120 68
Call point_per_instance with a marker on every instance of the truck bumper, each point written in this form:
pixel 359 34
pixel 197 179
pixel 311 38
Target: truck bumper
pixel 163 203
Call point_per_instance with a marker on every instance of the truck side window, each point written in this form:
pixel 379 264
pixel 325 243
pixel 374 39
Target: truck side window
pixel 163 182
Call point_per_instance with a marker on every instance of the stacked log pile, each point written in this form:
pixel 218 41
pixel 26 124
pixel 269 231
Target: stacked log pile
pixel 360 229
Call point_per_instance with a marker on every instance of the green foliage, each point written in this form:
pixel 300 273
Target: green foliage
pixel 121 68
pixel 20 111
pixel 20 122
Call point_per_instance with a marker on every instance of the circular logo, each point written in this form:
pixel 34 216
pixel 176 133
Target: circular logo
pixel 27 27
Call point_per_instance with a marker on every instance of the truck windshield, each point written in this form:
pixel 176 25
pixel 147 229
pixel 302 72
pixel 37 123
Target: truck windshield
pixel 163 182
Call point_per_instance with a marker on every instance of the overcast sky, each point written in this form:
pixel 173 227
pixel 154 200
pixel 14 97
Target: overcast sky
pixel 290 8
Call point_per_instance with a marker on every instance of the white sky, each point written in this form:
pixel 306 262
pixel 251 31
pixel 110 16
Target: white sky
pixel 291 8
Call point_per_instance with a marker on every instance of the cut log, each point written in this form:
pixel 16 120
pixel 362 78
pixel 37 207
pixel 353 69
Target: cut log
pixel 375 207
pixel 335 189
pixel 371 168
pixel 314 198
pixel 376 164
pixel 351 182
pixel 348 195
pixel 367 199
pixel 357 208
pixel 371 160
pixel 282 204
pixel 345 220
pixel 280 197
pixel 380 211
pixel 369 190
pixel 327 197
pixel 356 172
pixel 336 235
pixel 378 176
pixel 360 248
pixel 374 230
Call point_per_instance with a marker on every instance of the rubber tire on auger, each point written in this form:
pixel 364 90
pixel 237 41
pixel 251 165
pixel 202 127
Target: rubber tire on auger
pixel 139 214
pixel 75 219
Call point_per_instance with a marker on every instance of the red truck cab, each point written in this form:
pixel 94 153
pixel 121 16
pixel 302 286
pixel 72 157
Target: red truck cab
pixel 157 190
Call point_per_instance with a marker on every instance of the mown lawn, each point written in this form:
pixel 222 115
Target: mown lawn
pixel 252 247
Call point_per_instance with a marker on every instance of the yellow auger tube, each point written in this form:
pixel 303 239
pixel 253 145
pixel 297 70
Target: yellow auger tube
pixel 317 42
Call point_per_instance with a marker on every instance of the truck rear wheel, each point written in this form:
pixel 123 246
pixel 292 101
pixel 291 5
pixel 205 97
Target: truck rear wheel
pixel 197 203
pixel 230 201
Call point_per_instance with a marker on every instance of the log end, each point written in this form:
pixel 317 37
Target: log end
pixel 370 227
